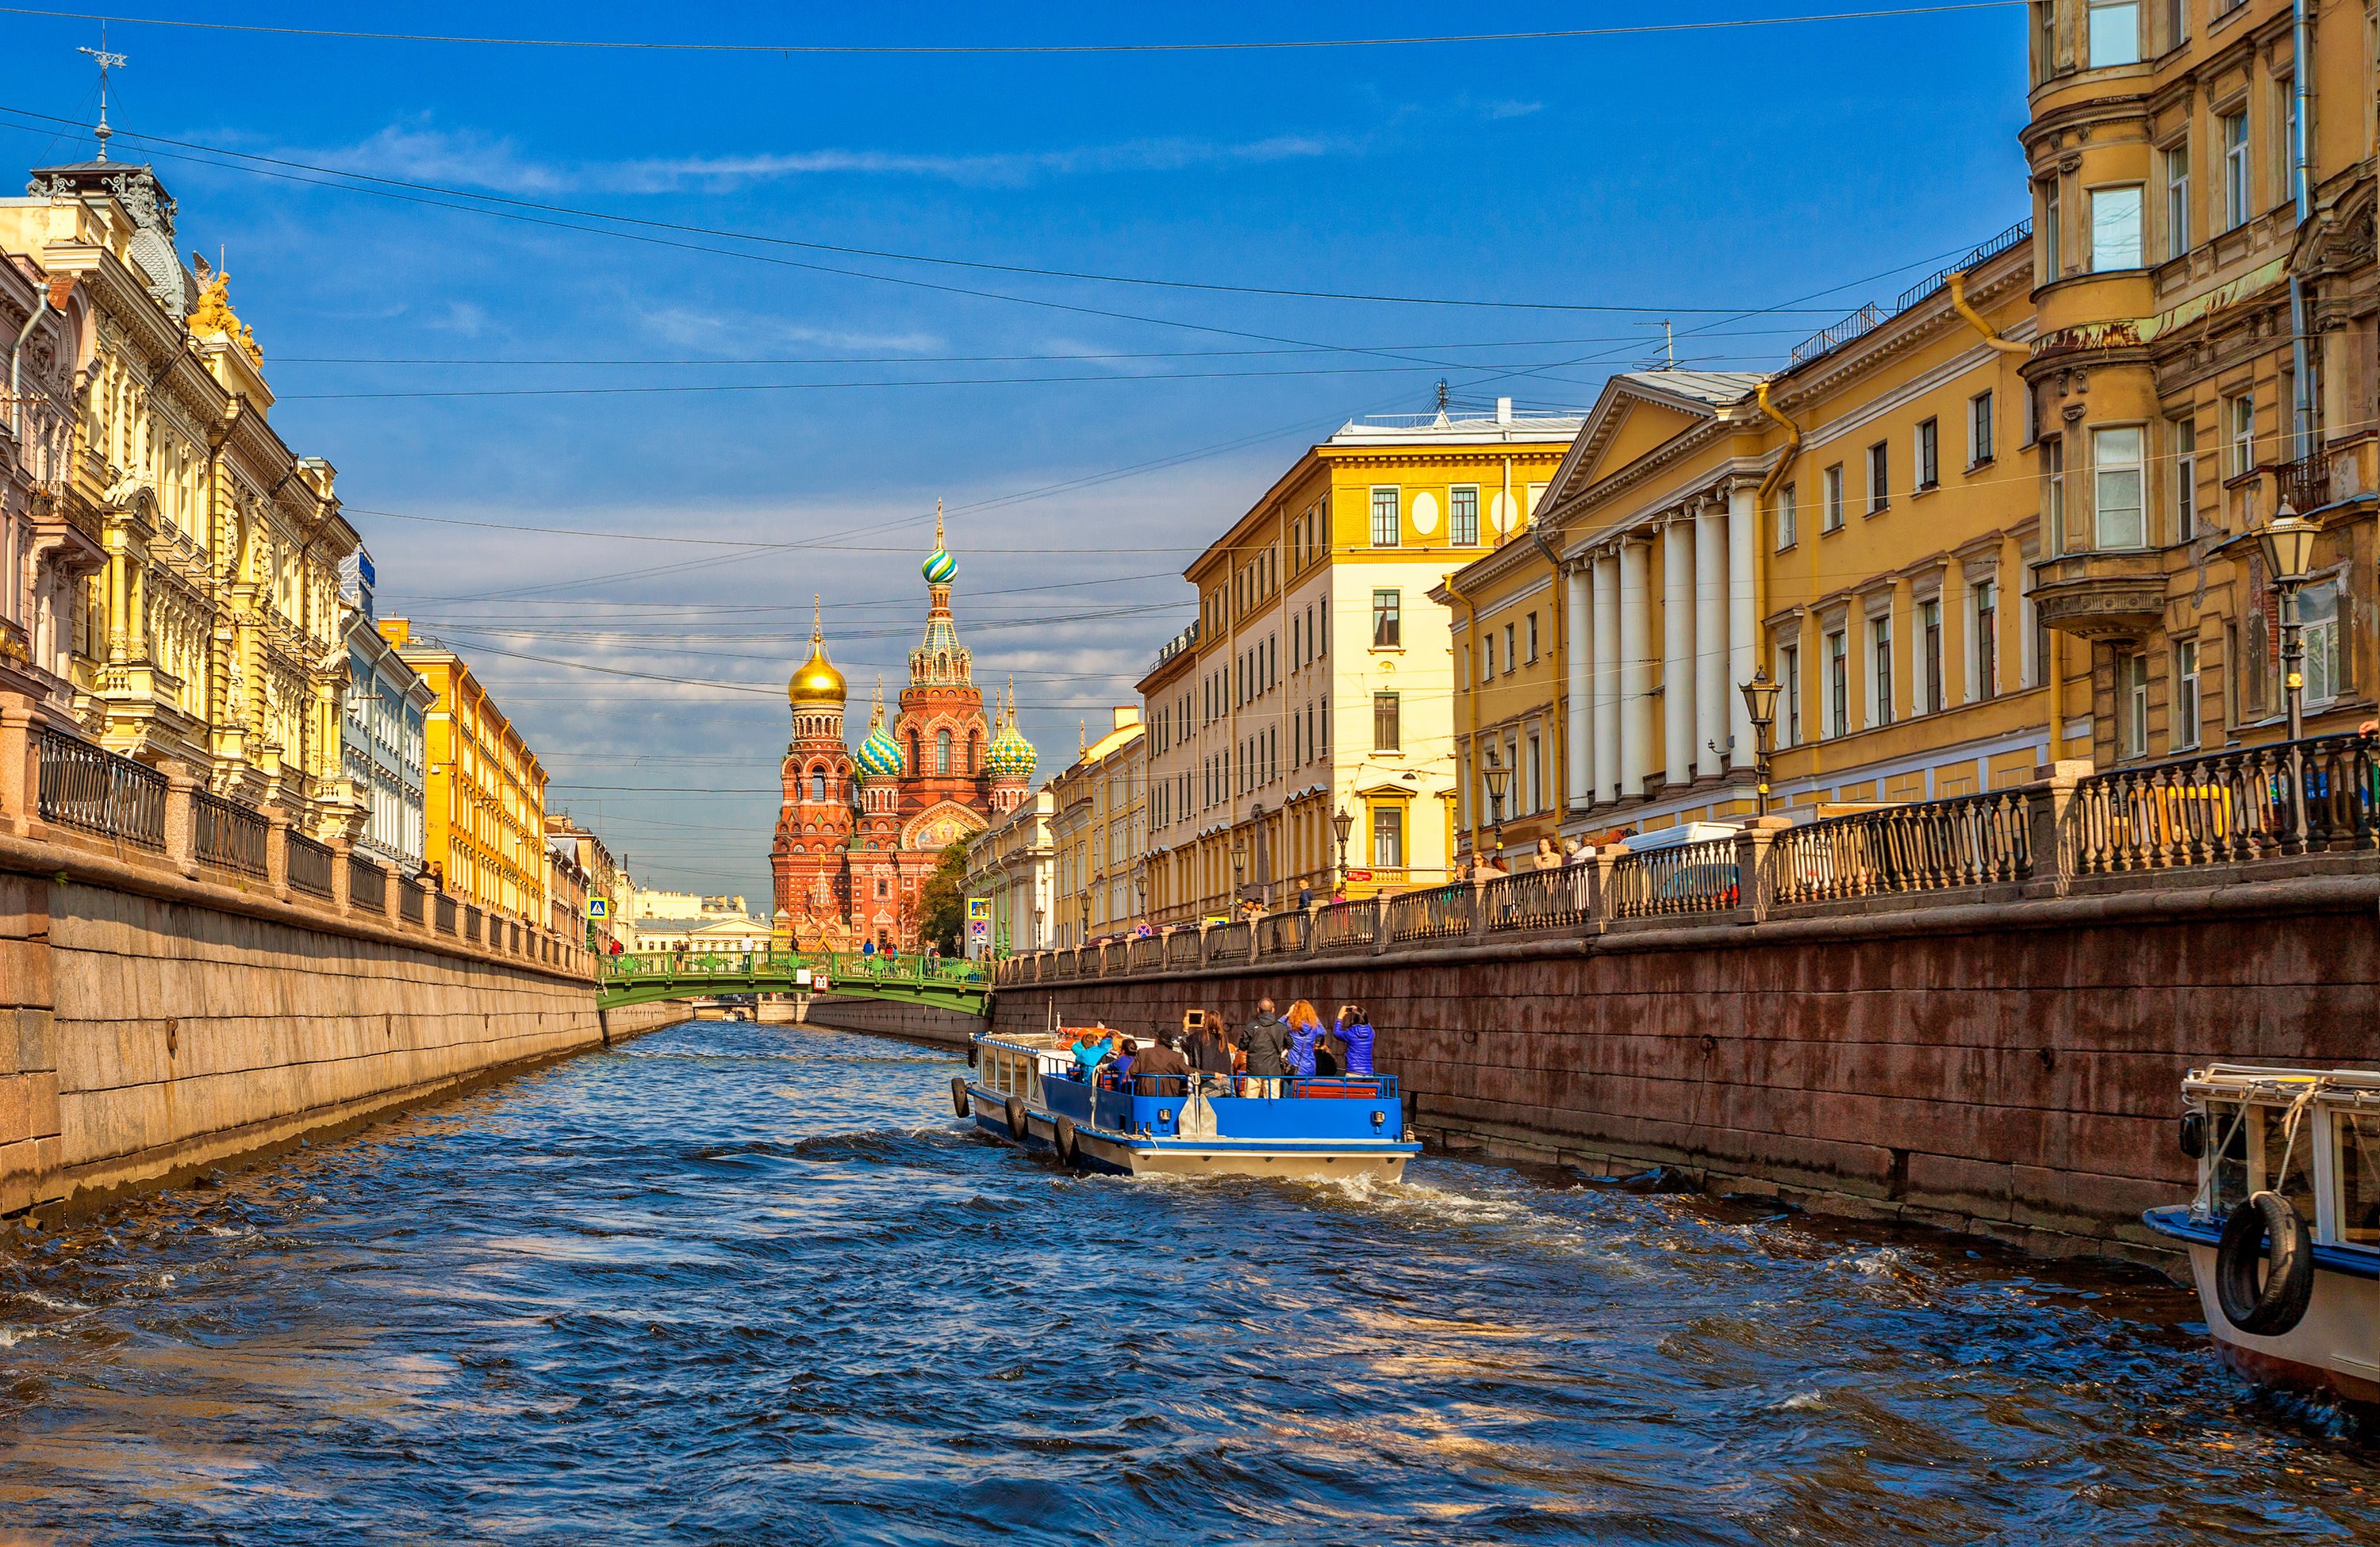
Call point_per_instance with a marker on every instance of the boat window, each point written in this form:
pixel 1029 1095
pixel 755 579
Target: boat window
pixel 2359 1176
pixel 2297 1184
pixel 2230 1163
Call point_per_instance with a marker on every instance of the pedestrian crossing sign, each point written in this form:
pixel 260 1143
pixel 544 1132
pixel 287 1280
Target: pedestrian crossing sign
pixel 599 908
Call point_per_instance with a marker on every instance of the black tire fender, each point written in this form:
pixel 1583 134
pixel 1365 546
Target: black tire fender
pixel 1016 1129
pixel 2279 1303
pixel 973 1052
pixel 1064 1141
pixel 959 1102
pixel 2193 1134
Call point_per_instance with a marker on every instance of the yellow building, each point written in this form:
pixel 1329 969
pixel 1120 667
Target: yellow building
pixel 1316 680
pixel 487 789
pixel 1097 828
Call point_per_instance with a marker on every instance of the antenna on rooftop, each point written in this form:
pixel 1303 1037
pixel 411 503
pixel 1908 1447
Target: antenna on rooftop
pixel 1669 343
pixel 106 61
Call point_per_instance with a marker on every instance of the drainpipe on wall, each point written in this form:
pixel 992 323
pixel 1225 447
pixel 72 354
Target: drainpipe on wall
pixel 46 300
pixel 2301 67
pixel 1974 319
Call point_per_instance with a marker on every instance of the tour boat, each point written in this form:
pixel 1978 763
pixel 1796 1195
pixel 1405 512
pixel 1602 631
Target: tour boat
pixel 2284 1233
pixel 1024 1088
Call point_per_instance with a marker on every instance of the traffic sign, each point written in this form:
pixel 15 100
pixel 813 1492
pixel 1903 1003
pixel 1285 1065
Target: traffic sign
pixel 980 908
pixel 599 908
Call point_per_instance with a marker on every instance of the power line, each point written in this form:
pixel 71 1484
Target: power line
pixel 1549 35
pixel 1001 360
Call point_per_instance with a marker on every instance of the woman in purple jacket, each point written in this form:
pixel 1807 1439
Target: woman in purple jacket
pixel 1356 1035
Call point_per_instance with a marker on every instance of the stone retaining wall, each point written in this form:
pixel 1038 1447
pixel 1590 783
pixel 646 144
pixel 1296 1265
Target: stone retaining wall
pixel 924 1023
pixel 2010 1068
pixel 154 1025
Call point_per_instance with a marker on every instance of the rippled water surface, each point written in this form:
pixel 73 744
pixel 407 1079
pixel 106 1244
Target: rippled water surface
pixel 745 1284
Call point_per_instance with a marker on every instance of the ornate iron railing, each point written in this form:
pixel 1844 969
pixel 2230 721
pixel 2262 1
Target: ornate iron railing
pixel 92 790
pixel 1345 926
pixel 1972 840
pixel 408 902
pixel 1690 878
pixel 1148 951
pixel 1432 915
pixel 367 885
pixel 229 835
pixel 1287 933
pixel 2226 807
pixel 309 865
pixel 1228 941
pixel 1181 946
pixel 447 914
pixel 1540 899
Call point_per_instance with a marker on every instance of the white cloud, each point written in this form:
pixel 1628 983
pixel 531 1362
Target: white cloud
pixel 704 330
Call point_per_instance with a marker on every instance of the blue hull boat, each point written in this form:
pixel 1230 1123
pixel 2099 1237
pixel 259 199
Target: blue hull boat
pixel 1023 1088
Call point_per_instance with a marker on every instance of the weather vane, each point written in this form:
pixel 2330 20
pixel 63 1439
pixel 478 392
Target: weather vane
pixel 106 62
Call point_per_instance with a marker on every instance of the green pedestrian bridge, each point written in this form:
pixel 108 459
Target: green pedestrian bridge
pixel 642 978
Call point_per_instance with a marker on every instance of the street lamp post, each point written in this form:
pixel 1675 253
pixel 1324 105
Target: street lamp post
pixel 1760 702
pixel 1140 887
pixel 2287 543
pixel 1497 777
pixel 1239 868
pixel 1339 823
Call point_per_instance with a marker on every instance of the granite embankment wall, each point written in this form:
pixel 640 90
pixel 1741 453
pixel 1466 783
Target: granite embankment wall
pixel 924 1023
pixel 153 1023
pixel 2010 1068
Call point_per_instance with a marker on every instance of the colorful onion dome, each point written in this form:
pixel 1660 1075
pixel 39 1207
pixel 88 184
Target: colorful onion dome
pixel 817 681
pixel 940 568
pixel 1011 757
pixel 879 755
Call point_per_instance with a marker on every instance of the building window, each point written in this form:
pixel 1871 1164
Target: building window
pixel 1532 639
pixel 2185 480
pixel 2177 200
pixel 1988 640
pixel 1838 683
pixel 1384 518
pixel 1385 731
pixel 1929 454
pixel 2132 703
pixel 1880 636
pixel 1785 518
pixel 1510 659
pixel 2053 461
pixel 1789 677
pixel 1834 485
pixel 2318 636
pixel 1387 629
pixel 2115 32
pixel 2185 695
pixel 1979 429
pixel 1536 772
pixel 2177 23
pixel 1389 838
pixel 941 752
pixel 1929 618
pixel 2235 170
pixel 1463 518
pixel 2053 255
pixel 2243 434
pixel 1879 476
pixel 817 786
pixel 2116 229
pixel 2116 488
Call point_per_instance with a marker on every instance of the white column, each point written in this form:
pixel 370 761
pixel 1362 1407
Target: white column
pixel 1711 689
pixel 1677 651
pixel 1579 787
pixel 1636 664
pixel 1742 652
pixel 1604 669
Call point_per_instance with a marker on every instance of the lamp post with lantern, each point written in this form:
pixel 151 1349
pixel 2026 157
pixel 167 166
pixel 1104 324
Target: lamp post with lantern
pixel 2287 543
pixel 1239 867
pixel 1760 703
pixel 1340 824
pixel 1498 776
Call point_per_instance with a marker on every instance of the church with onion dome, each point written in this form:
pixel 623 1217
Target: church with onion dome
pixel 859 831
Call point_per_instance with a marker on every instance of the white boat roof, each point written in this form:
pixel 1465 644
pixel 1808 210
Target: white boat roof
pixel 2257 1081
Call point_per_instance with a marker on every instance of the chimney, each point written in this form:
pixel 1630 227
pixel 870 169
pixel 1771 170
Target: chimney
pixel 1503 410
pixel 1126 714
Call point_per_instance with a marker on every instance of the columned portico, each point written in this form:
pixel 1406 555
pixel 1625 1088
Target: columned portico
pixel 1578 744
pixel 1610 763
pixel 1743 583
pixel 1710 652
pixel 1677 651
pixel 1635 655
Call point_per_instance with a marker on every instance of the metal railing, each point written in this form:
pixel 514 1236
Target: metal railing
pixel 229 835
pixel 447 914
pixel 409 899
pixel 93 790
pixel 1287 933
pixel 1540 899
pixel 2306 484
pixel 2226 807
pixel 1431 915
pixel 309 865
pixel 1345 926
pixel 1181 946
pixel 367 885
pixel 1690 878
pixel 1973 840
pixel 1228 941
pixel 1148 951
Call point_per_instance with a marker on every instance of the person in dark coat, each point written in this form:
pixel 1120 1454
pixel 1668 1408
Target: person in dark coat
pixel 1160 1071
pixel 1209 1051
pixel 1267 1041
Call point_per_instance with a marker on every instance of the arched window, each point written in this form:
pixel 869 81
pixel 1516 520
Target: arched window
pixel 915 765
pixel 941 752
pixel 975 751
pixel 818 784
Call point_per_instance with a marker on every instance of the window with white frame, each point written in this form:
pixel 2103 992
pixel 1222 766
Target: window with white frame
pixel 1533 638
pixel 2053 233
pixel 1789 677
pixel 2116 478
pixel 2177 200
pixel 2318 637
pixel 1388 627
pixel 1511 660
pixel 1838 683
pixel 2183 732
pixel 1463 516
pixel 1785 518
pixel 2114 27
pixel 2115 227
pixel 2133 704
pixel 1834 487
pixel 1988 640
pixel 2241 412
pixel 1929 454
pixel 1385 523
pixel 2236 170
pixel 2053 462
pixel 1929 622
pixel 1879 633
pixel 2185 479
pixel 1879 476
pixel 1979 429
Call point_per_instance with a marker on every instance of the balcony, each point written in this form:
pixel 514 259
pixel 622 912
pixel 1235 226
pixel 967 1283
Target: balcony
pixel 2102 596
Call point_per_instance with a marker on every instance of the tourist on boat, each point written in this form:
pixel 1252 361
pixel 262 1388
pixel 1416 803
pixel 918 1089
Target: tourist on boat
pixel 1160 1071
pixel 1209 1053
pixel 1305 1030
pixel 1125 1056
pixel 1327 1063
pixel 1356 1034
pixel 1267 1041
pixel 1090 1054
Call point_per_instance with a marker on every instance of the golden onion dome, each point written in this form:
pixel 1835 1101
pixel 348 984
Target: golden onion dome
pixel 817 681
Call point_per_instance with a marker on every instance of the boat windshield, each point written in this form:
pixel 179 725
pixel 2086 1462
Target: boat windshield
pixel 2357 1169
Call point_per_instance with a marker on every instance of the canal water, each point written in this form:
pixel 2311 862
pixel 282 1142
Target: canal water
pixel 740 1284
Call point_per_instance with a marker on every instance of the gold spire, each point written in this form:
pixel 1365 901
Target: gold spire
pixel 938 521
pixel 817 681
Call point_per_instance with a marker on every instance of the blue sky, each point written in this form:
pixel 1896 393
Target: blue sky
pixel 1684 174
